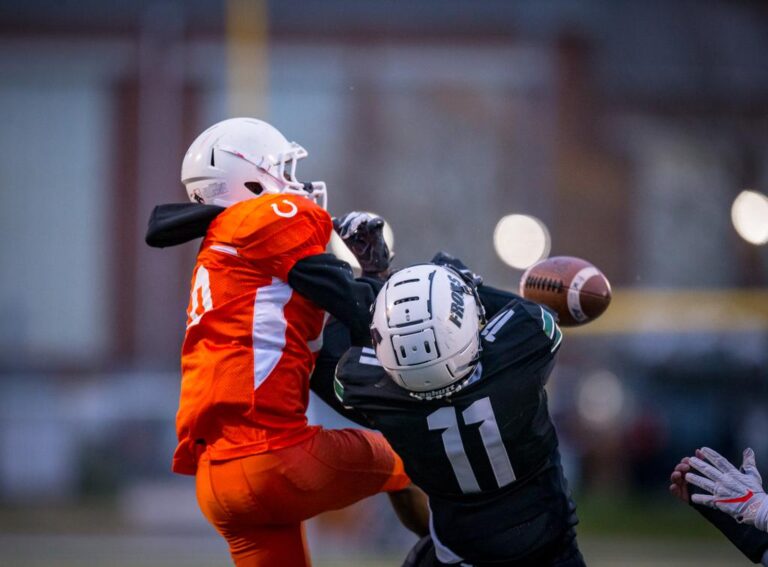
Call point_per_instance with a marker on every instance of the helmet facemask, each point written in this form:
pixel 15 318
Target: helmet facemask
pixel 279 175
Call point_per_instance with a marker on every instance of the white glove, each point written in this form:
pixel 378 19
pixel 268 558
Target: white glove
pixel 738 493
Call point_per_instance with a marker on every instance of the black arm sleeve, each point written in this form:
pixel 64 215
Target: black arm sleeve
pixel 336 341
pixel 328 282
pixel 177 223
pixel 494 299
pixel 749 540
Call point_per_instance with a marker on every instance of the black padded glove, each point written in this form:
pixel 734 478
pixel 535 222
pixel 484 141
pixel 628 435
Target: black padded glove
pixel 363 233
pixel 445 259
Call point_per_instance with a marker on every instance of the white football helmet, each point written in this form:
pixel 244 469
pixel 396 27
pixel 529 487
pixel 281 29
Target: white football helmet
pixel 426 329
pixel 242 158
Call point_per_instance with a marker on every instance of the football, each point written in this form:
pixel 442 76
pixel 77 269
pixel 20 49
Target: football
pixel 574 288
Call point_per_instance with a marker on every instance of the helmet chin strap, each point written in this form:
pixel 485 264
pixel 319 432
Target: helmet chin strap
pixel 473 376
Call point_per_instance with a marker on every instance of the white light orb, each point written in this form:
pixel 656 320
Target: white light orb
pixel 600 399
pixel 749 214
pixel 341 251
pixel 521 240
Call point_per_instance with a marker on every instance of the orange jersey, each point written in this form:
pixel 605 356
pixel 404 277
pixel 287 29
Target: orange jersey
pixel 251 341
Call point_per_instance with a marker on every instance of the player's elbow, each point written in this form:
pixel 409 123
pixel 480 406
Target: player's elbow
pixel 410 505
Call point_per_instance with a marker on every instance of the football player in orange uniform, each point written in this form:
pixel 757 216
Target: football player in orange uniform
pixel 251 343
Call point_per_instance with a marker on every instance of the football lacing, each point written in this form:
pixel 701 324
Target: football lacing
pixel 544 283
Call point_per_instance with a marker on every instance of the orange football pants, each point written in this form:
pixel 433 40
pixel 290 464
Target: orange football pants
pixel 258 503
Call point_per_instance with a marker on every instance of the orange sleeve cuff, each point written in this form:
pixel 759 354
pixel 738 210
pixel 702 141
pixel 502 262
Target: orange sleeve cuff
pixel 398 480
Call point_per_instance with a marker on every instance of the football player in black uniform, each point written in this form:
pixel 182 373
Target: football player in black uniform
pixel 463 403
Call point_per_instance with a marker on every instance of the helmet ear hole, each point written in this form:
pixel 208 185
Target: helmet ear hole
pixel 254 187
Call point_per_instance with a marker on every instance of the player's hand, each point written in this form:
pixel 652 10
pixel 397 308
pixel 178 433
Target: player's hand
pixel 363 233
pixel 444 259
pixel 738 493
pixel 678 487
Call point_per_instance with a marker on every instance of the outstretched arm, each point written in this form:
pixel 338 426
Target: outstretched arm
pixel 329 282
pixel 348 301
pixel 752 542
pixel 737 492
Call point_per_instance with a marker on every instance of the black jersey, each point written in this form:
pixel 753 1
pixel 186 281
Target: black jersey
pixel 486 455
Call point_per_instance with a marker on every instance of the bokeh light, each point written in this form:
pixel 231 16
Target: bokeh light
pixel 521 240
pixel 749 214
pixel 600 400
pixel 341 251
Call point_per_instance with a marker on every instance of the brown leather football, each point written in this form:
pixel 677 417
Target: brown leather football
pixel 574 288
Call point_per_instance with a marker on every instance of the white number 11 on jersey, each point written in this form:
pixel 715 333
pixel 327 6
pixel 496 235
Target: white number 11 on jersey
pixel 479 412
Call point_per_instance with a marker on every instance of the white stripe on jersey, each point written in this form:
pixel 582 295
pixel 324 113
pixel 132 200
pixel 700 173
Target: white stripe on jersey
pixel 370 360
pixel 317 343
pixel 443 554
pixel 368 356
pixel 269 326
pixel 496 324
pixel 231 250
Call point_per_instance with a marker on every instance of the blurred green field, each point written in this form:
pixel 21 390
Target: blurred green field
pixel 172 551
pixel 614 532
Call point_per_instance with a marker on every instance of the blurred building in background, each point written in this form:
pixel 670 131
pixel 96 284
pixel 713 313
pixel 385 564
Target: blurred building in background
pixel 627 128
